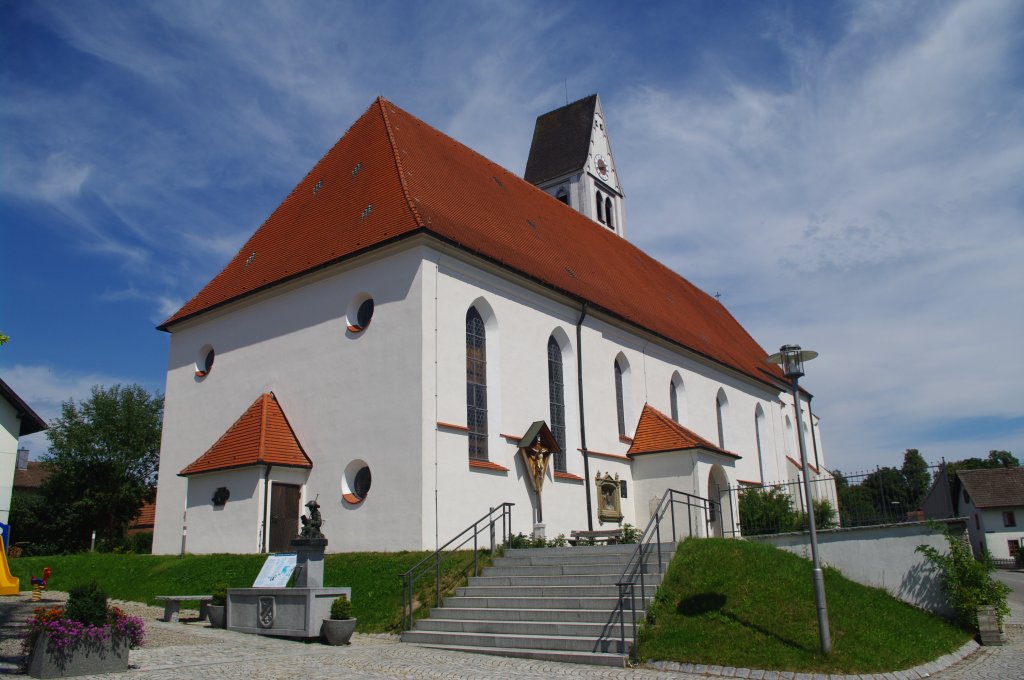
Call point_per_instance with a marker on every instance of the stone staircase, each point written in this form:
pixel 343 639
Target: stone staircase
pixel 551 604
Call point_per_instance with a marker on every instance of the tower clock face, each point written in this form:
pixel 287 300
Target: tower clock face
pixel 602 166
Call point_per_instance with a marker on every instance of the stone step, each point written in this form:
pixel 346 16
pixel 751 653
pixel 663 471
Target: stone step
pixel 561 643
pixel 557 592
pixel 605 603
pixel 546 628
pixel 542 557
pixel 568 569
pixel 592 658
pixel 581 550
pixel 601 616
pixel 489 580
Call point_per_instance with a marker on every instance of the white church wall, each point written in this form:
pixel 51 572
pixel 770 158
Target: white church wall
pixel 293 341
pixel 229 528
pixel 518 324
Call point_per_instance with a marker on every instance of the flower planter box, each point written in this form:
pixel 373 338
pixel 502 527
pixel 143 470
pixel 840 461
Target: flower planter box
pixel 216 614
pixel 83 657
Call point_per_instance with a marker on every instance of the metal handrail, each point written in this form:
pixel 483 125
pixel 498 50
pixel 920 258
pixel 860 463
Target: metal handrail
pixel 636 567
pixel 502 514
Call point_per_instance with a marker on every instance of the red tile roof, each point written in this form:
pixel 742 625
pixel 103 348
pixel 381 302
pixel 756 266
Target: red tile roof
pixel 33 476
pixel 146 518
pixel 656 432
pixel 391 176
pixel 261 436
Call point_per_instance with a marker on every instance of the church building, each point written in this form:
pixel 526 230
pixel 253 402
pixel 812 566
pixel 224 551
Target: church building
pixel 413 317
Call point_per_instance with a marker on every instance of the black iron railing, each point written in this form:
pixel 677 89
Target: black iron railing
pixel 701 516
pixel 489 523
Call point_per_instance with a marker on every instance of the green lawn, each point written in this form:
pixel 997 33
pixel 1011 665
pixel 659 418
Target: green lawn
pixel 375 578
pixel 745 604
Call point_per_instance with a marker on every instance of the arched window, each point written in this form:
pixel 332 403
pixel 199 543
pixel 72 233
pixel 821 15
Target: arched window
pixel 759 426
pixel 721 404
pixel 620 408
pixel 476 384
pixel 791 436
pixel 562 195
pixel 556 397
pixel 600 206
pixel 608 213
pixel 675 395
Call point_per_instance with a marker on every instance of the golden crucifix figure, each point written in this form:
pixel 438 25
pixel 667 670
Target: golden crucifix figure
pixel 537 457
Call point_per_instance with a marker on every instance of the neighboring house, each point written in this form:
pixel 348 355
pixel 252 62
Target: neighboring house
pixel 30 475
pixel 993 503
pixel 17 419
pixel 411 313
pixel 145 521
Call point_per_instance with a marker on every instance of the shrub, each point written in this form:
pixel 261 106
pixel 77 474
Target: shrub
pixel 558 542
pixel 141 543
pixel 341 609
pixel 220 595
pixel 766 511
pixel 519 540
pixel 87 604
pixel 630 534
pixel 967 582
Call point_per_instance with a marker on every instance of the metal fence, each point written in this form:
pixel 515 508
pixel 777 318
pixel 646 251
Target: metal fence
pixel 881 496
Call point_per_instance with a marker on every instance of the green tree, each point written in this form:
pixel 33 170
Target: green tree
pixel 916 476
pixel 103 454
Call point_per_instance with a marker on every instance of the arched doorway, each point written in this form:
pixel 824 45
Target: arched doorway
pixel 720 519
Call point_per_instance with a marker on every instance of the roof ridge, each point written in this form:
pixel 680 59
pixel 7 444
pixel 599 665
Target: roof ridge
pixel 398 161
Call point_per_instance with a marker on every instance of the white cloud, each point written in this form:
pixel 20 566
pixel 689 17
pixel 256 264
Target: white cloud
pixel 45 388
pixel 872 211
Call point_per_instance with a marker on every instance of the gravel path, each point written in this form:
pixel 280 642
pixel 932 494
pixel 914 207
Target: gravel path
pixel 192 650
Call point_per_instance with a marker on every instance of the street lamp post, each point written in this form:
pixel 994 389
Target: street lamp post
pixel 792 359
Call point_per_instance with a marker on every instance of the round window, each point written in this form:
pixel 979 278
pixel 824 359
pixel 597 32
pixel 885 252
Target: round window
pixel 204 361
pixel 360 312
pixel 355 485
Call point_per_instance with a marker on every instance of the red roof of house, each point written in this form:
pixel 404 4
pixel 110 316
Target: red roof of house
pixel 31 477
pixel 392 176
pixel 146 518
pixel 656 433
pixel 261 436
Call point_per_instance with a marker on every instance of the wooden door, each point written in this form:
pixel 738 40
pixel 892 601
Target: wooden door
pixel 284 516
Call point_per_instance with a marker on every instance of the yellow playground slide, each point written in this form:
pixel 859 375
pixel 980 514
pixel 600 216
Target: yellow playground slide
pixel 8 584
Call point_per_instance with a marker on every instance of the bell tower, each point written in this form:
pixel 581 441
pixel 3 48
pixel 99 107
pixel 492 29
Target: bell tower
pixel 571 159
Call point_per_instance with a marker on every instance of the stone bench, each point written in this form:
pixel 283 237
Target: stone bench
pixel 609 536
pixel 172 604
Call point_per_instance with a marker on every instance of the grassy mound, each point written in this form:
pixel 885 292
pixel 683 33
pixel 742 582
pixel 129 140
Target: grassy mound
pixel 746 604
pixel 375 578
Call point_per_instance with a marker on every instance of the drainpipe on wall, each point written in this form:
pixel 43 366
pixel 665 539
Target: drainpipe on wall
pixel 583 422
pixel 266 506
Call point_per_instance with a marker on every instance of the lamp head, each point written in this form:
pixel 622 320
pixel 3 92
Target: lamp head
pixel 792 359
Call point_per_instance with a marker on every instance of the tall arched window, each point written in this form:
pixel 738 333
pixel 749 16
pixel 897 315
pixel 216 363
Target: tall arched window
pixel 600 206
pixel 759 426
pixel 608 212
pixel 619 405
pixel 556 397
pixel 675 396
pixel 476 384
pixel 721 403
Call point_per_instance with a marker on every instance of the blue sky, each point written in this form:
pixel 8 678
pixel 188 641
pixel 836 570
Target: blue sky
pixel 847 175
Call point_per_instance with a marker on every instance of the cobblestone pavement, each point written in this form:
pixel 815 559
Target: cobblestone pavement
pixel 192 650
